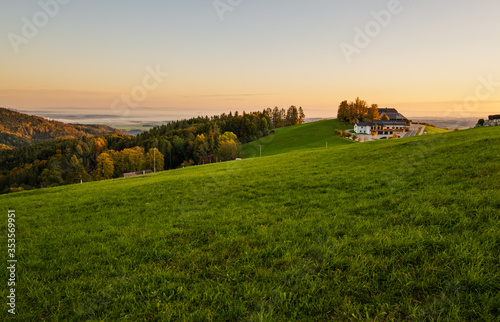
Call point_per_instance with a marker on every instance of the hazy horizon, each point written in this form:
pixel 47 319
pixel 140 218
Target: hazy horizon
pixel 138 117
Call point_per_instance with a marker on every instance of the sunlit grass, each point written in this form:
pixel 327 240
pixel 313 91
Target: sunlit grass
pixel 294 138
pixel 389 230
pixel 435 130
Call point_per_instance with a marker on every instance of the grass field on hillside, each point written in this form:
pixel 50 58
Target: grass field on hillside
pixel 387 230
pixel 299 137
pixel 435 130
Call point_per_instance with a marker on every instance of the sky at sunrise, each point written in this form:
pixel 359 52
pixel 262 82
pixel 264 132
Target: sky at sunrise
pixel 426 58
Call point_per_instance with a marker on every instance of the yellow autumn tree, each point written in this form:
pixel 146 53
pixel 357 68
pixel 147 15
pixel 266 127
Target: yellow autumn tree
pixel 228 147
pixel 105 167
pixel 128 160
pixel 200 146
pixel 373 113
pixel 154 160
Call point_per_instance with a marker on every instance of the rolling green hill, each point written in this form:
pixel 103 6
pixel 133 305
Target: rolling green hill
pixel 19 129
pixel 383 231
pixel 435 130
pixel 298 137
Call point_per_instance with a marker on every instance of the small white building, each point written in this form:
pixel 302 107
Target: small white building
pixel 493 120
pixel 363 127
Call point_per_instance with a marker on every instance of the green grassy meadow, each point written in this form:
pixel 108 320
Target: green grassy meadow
pixel 388 230
pixel 299 137
pixel 435 130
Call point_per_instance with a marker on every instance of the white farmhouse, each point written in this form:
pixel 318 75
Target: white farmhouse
pixel 394 123
pixel 363 127
pixel 381 127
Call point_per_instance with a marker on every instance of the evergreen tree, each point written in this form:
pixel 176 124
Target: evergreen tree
pixel 302 116
pixel 77 172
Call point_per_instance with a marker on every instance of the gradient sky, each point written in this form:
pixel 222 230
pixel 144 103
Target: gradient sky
pixel 264 53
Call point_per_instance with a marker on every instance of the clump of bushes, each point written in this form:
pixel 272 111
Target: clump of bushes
pixel 394 136
pixel 346 135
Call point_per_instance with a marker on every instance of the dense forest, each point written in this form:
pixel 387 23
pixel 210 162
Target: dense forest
pixel 19 129
pixel 176 144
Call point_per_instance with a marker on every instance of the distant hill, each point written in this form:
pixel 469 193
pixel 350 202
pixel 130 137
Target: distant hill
pixel 19 129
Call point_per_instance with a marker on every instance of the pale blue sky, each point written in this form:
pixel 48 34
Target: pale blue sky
pixel 264 53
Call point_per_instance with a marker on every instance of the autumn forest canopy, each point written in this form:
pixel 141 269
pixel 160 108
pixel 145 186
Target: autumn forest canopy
pixel 177 144
pixel 357 111
pixel 19 129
